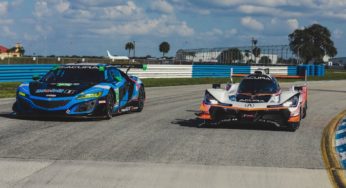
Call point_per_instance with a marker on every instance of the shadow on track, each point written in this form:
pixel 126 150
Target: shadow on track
pixel 11 115
pixel 197 123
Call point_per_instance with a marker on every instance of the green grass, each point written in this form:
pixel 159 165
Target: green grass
pixel 9 89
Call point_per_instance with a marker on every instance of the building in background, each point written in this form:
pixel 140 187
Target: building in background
pixel 338 61
pixel 16 51
pixel 273 54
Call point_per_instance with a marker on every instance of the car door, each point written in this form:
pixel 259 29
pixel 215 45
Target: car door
pixel 121 85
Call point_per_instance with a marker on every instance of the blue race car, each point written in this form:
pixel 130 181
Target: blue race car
pixel 81 90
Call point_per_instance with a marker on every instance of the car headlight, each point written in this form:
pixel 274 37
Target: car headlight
pixel 21 94
pixel 275 99
pixel 292 102
pixel 209 99
pixel 90 95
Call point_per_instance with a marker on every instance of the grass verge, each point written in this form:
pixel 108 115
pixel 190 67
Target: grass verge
pixel 9 89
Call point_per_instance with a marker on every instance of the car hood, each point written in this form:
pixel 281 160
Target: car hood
pixel 43 89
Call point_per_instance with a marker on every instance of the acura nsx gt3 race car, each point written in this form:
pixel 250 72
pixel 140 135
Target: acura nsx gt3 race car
pixel 83 90
pixel 258 98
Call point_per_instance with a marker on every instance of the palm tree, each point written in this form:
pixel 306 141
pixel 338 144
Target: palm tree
pixel 256 52
pixel 164 48
pixel 129 46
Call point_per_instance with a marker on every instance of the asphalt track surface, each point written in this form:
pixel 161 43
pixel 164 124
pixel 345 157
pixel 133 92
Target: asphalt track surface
pixel 164 140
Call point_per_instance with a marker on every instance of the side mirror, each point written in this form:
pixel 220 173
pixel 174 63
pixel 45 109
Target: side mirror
pixel 216 86
pixel 36 77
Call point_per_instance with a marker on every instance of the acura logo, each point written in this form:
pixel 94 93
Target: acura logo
pixel 249 105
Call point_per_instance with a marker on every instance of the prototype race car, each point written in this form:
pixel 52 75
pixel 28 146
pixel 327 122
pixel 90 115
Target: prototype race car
pixel 258 98
pixel 83 90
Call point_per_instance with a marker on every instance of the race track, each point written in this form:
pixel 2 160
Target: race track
pixel 165 140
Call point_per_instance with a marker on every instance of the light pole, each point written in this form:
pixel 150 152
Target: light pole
pixel 298 54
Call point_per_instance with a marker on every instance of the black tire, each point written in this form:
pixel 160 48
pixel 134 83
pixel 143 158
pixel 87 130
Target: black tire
pixel 305 109
pixel 109 105
pixel 292 127
pixel 141 97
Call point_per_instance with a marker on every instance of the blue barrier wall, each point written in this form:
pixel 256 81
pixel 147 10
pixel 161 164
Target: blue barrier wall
pixel 221 71
pixel 292 70
pixel 22 72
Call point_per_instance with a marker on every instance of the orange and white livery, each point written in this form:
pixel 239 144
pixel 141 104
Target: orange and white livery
pixel 258 98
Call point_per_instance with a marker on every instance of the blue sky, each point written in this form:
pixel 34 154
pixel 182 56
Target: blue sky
pixel 90 27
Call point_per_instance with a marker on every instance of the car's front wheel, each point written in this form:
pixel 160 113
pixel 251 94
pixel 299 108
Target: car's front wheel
pixel 292 127
pixel 141 97
pixel 109 105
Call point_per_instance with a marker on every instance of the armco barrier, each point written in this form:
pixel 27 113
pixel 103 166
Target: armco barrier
pixel 24 72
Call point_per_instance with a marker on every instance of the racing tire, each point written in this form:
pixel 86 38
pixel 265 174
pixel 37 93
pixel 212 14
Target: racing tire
pixel 305 109
pixel 141 97
pixel 292 127
pixel 15 109
pixel 109 105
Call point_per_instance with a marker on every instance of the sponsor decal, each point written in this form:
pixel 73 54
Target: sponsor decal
pixel 69 92
pixel 251 100
pixel 249 105
pixel 102 102
pixel 50 95
pixel 50 90
pixel 80 67
pixel 258 78
pixel 64 84
pixel 61 91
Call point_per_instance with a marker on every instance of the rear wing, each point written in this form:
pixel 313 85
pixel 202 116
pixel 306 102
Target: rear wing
pixel 131 66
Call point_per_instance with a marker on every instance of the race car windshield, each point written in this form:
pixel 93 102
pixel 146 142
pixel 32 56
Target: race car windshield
pixel 74 76
pixel 257 86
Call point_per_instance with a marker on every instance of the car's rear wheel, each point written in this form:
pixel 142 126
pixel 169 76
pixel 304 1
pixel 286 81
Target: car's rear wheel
pixel 305 110
pixel 141 97
pixel 109 105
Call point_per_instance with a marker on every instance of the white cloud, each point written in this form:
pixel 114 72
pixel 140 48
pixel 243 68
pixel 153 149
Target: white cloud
pixel 293 24
pixel 119 11
pixel 338 33
pixel 163 25
pixel 6 32
pixel 3 8
pixel 62 6
pixel 162 6
pixel 16 3
pixel 231 32
pixel 252 23
pixel 6 21
pixel 41 9
pixel 251 9
pixel 220 33
pixel 43 30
